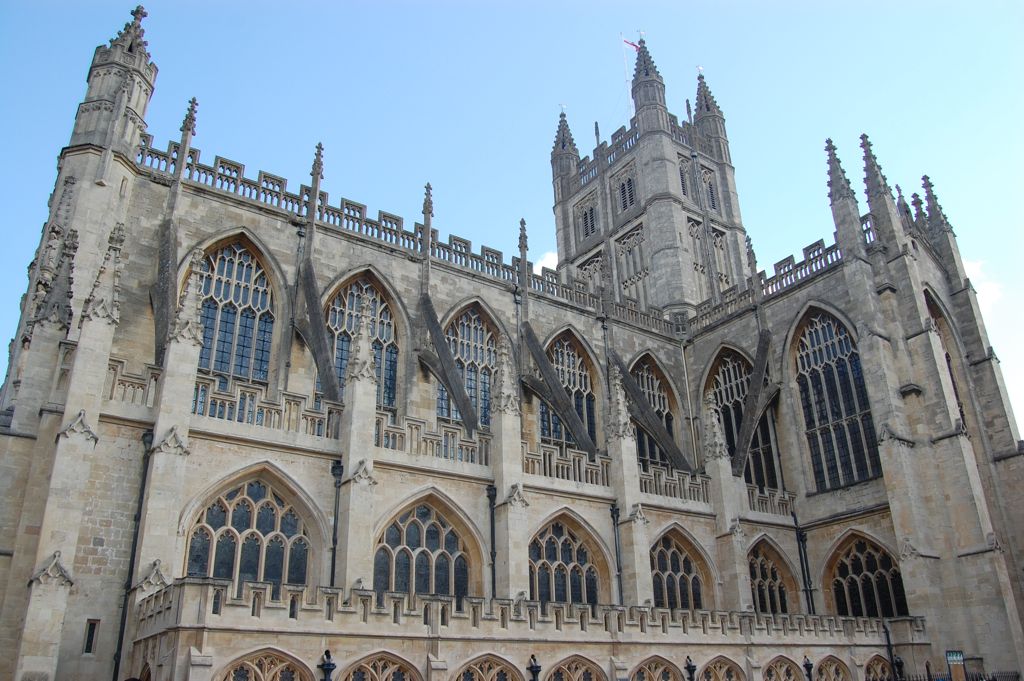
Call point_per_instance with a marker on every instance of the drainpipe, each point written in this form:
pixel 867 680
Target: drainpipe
pixel 492 495
pixel 147 444
pixel 618 550
pixel 805 565
pixel 337 471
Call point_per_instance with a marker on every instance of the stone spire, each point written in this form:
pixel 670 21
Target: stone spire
pixel 317 171
pixel 838 183
pixel 188 126
pixel 188 129
pixel 428 203
pixel 648 91
pixel 877 185
pixel 706 104
pixel 937 221
pixel 903 209
pixel 645 67
pixel 130 38
pixel 920 219
pixel 564 143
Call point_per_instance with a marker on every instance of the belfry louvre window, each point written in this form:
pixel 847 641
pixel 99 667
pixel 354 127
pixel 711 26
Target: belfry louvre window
pixel 707 177
pixel 588 222
pixel 677 580
pixel 473 345
pixel 250 534
pixel 768 581
pixel 627 195
pixel 866 582
pixel 653 385
pixel 834 400
pixel 421 553
pixel 237 314
pixel 730 382
pixel 561 567
pixel 362 297
pixel 573 370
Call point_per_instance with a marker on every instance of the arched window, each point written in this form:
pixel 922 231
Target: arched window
pixel 656 669
pixel 949 347
pixel 474 346
pixel 782 669
pixel 562 567
pixel 265 667
pixel 710 187
pixel 575 669
pixel 840 432
pixel 684 176
pixel 770 581
pixel 573 369
pixel 729 383
pixel 627 195
pixel 421 553
pixel 721 669
pixel 237 314
pixel 488 668
pixel 363 297
pixel 679 579
pixel 250 534
pixel 877 669
pixel 381 668
pixel 655 388
pixel 831 669
pixel 866 581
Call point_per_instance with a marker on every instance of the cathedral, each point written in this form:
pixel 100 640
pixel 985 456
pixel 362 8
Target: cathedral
pixel 251 434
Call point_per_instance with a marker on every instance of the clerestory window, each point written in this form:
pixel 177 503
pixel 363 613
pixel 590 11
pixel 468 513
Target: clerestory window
pixel 473 344
pixel 573 370
pixel 562 568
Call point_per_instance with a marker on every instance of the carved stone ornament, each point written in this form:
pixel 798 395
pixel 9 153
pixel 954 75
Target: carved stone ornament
pixel 736 530
pixel 155 579
pixel 715 446
pixel 637 515
pixel 992 541
pixel 360 363
pixel 173 443
pixel 78 427
pixel 55 305
pixel 187 325
pixel 907 549
pixel 53 572
pixel 507 388
pixel 516 498
pixel 363 473
pixel 886 433
pixel 104 301
pixel 619 425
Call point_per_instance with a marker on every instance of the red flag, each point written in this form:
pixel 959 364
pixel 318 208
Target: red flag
pixel 633 45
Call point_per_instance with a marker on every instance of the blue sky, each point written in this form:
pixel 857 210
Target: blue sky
pixel 467 95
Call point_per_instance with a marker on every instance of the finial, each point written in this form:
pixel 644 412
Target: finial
pixel 918 204
pixel 189 124
pixel 138 14
pixel 645 67
pixel 317 173
pixel 522 235
pixel 563 136
pixel 131 36
pixel 428 200
pixel 936 216
pixel 877 185
pixel 838 183
pixel 705 103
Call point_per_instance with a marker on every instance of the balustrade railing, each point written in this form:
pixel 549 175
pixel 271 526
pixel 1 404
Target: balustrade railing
pixel 247 404
pixel 563 463
pixel 773 501
pixel 677 484
pixel 121 386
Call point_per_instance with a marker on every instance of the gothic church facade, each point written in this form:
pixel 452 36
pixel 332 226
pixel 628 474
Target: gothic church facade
pixel 243 425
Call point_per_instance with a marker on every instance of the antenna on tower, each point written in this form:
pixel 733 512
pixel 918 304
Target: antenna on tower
pixel 625 73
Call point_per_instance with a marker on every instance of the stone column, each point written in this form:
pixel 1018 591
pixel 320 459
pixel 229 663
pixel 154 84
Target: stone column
pixel 511 544
pixel 635 546
pixel 357 516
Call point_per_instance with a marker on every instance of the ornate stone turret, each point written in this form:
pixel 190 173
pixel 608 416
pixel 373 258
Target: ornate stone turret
pixel 940 233
pixel 565 159
pixel 884 215
pixel 648 92
pixel 845 212
pixel 710 120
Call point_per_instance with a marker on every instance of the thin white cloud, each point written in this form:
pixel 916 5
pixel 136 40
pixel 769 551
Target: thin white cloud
pixel 549 260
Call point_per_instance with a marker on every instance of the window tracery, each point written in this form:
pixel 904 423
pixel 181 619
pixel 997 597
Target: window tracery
pixel 654 387
pixel 250 534
pixel 878 669
pixel 265 667
pixel 573 371
pixel 362 297
pixel 473 344
pixel 770 581
pixel 381 668
pixel 834 400
pixel 831 669
pixel 721 669
pixel 656 669
pixel 562 567
pixel 707 178
pixel 627 195
pixel 237 314
pixel 676 575
pixel 782 669
pixel 866 582
pixel 576 669
pixel 488 669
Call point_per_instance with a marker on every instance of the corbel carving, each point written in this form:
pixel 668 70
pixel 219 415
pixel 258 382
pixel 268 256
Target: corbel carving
pixel 886 433
pixel 637 515
pixel 53 572
pixel 363 473
pixel 516 498
pixel 79 427
pixel 173 443
pixel 154 580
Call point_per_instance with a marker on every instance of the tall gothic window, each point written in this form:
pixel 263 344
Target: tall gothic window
pixel 654 386
pixel 573 371
pixel 770 581
pixel 949 346
pixel 866 581
pixel 421 553
pixel 474 346
pixel 381 667
pixel 588 222
pixel 707 177
pixel 684 176
pixel 730 382
pixel 362 297
pixel 562 567
pixel 265 666
pixel 840 432
pixel 677 576
pixel 237 314
pixel 250 534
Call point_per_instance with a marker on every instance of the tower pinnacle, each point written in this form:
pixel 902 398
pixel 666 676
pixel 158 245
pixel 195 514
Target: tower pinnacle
pixel 838 183
pixel 564 143
pixel 189 124
pixel 936 216
pixel 131 36
pixel 877 185
pixel 645 67
pixel 706 104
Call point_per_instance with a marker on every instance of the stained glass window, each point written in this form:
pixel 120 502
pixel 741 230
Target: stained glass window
pixel 237 314
pixel 562 567
pixel 472 341
pixel 655 388
pixel 574 372
pixel 866 581
pixel 677 576
pixel 834 400
pixel 770 581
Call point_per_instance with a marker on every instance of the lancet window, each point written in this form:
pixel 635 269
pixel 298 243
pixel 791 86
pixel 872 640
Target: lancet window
pixel 770 583
pixel 677 577
pixel 237 314
pixel 562 568
pixel 574 372
pixel 866 582
pixel 250 534
pixel 834 400
pixel 684 176
pixel 381 668
pixel 730 382
pixel 265 667
pixel 707 177
pixel 362 297
pixel 655 388
pixel 588 222
pixel 473 343
pixel 420 552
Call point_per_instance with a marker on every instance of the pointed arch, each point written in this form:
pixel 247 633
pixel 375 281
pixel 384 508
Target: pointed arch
pixel 953 349
pixel 808 308
pixel 862 578
pixel 580 338
pixel 723 348
pixel 473 337
pixel 488 667
pixel 773 586
pixel 831 668
pixel 781 668
pixel 252 241
pixel 268 663
pixel 381 280
pixel 655 668
pixel 580 375
pixel 680 572
pixel 676 528
pixel 568 563
pixel 656 386
pixel 721 668
pixel 381 666
pixel 575 668
pixel 878 669
pixel 670 384
pixel 833 398
pixel 486 309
